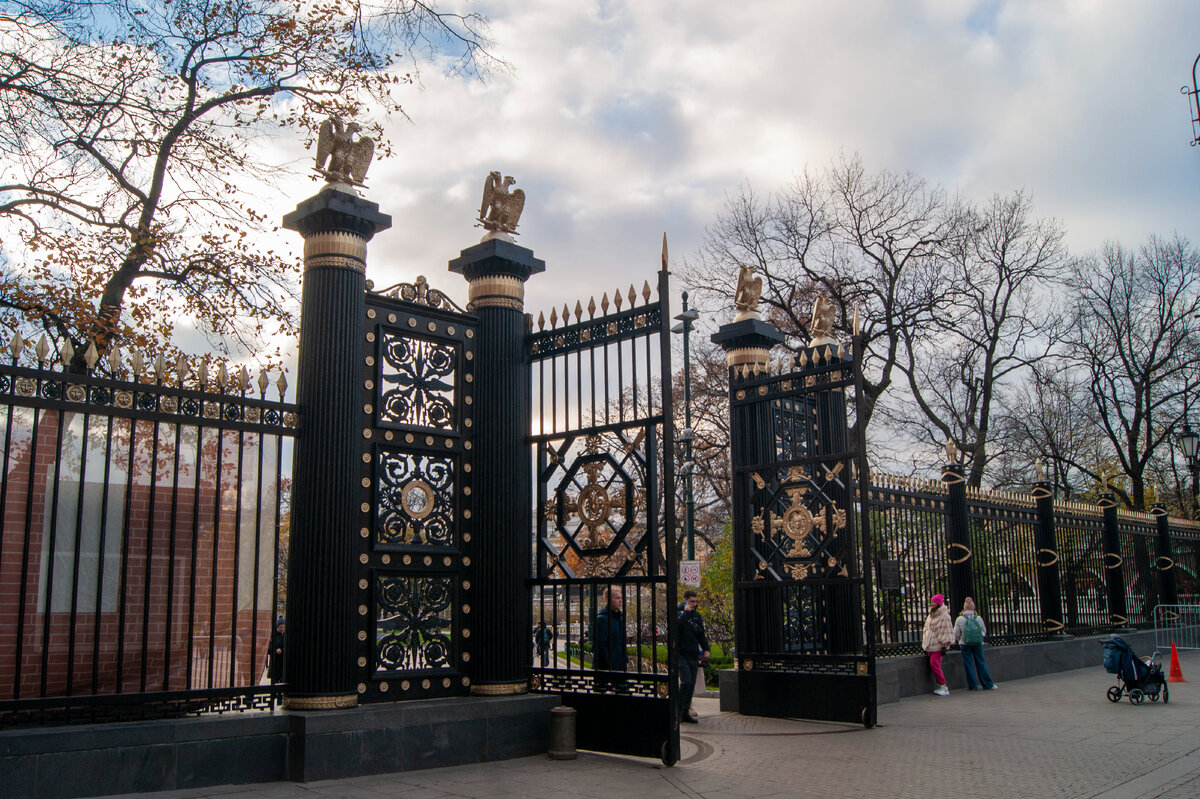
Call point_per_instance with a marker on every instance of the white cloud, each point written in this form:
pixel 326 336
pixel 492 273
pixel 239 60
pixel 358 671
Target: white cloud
pixel 625 119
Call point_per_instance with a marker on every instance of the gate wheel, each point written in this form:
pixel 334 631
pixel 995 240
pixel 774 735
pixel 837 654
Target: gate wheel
pixel 667 758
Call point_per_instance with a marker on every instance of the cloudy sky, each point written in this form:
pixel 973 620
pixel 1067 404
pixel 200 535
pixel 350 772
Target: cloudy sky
pixel 625 119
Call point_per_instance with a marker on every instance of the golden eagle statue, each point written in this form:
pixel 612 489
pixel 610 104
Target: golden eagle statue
pixel 500 209
pixel 348 157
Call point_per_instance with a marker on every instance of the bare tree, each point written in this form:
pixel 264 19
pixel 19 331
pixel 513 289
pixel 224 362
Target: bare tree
pixel 1135 338
pixel 129 131
pixel 876 242
pixel 993 322
pixel 1050 417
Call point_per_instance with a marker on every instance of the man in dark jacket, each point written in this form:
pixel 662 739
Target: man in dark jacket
pixel 278 644
pixel 543 637
pixel 693 644
pixel 608 637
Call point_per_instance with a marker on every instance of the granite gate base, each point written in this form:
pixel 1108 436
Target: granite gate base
pixel 898 677
pixel 240 748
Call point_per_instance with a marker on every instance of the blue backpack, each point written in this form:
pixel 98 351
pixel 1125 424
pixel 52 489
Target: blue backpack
pixel 972 631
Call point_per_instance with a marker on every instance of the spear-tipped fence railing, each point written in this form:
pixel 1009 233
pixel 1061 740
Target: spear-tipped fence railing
pixel 910 520
pixel 142 516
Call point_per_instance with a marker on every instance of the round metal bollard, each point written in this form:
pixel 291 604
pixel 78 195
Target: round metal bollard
pixel 562 733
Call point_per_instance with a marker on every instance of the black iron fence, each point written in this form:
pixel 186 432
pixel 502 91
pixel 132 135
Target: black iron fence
pixel 1092 588
pixel 142 525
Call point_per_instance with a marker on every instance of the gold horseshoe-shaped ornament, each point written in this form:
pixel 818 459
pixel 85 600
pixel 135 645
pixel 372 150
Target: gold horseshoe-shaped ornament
pixel 963 547
pixel 1119 619
pixel 1053 554
pixel 1053 625
pixel 1117 560
pixel 1163 558
pixel 1170 615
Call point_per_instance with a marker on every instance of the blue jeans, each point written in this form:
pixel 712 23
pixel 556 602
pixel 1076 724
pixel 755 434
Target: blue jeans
pixel 973 663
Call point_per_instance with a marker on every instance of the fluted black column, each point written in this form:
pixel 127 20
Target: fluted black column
pixel 496 271
pixel 1168 592
pixel 1046 557
pixel 321 617
pixel 1114 576
pixel 758 624
pixel 958 537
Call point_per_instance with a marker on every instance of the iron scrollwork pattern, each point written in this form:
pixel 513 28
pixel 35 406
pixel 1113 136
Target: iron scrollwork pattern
pixel 417 382
pixel 416 494
pixel 413 625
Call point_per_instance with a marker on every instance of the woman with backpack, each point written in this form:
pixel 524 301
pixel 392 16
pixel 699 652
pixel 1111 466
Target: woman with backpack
pixel 936 638
pixel 969 632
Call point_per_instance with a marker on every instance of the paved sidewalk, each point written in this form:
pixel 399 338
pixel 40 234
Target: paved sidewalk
pixel 1051 736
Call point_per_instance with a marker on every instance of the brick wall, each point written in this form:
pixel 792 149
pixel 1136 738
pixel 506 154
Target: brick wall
pixel 169 602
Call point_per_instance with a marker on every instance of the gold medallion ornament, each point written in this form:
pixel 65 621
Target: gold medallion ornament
pixel 593 505
pixel 797 522
pixel 417 499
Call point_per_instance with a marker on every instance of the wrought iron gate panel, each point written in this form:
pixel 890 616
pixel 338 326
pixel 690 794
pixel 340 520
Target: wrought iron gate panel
pixel 806 624
pixel 417 523
pixel 604 472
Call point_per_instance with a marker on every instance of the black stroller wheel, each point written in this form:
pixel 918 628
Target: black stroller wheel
pixel 1166 694
pixel 1114 693
pixel 1136 696
pixel 1153 696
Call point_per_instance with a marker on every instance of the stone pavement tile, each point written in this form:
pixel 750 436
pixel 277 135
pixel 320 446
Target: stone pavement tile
pixel 1184 788
pixel 1051 737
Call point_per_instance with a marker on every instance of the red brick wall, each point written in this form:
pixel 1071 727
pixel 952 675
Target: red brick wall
pixel 148 647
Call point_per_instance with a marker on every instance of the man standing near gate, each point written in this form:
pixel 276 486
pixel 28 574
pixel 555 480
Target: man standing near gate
pixel 693 645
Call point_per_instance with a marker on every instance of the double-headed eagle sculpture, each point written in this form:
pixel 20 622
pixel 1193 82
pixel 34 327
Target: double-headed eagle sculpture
pixel 348 157
pixel 500 209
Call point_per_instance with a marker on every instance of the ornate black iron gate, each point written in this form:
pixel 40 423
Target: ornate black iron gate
pixel 805 618
pixel 603 440
pixel 414 541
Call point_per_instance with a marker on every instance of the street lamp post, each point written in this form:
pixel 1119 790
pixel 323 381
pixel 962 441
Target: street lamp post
pixel 688 435
pixel 1194 102
pixel 1189 440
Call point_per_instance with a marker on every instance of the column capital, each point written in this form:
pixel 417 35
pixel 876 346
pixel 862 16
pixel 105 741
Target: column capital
pixel 497 258
pixel 496 271
pixel 334 210
pixel 746 334
pixel 747 342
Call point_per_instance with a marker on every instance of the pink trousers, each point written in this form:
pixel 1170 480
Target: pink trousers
pixel 935 665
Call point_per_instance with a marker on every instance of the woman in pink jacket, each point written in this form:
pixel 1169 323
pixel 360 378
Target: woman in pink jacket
pixel 936 638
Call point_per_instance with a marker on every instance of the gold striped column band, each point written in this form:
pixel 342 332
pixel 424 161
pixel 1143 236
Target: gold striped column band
pixel 320 702
pixel 335 248
pixel 746 356
pixel 500 689
pixel 496 291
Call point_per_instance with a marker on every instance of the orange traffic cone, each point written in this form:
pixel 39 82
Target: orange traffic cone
pixel 1176 674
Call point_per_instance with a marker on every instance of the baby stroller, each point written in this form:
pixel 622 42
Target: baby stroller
pixel 1136 677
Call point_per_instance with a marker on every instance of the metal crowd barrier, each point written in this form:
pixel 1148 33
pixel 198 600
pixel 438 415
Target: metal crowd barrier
pixel 1177 624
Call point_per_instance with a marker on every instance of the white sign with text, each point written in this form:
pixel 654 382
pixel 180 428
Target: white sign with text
pixel 689 572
